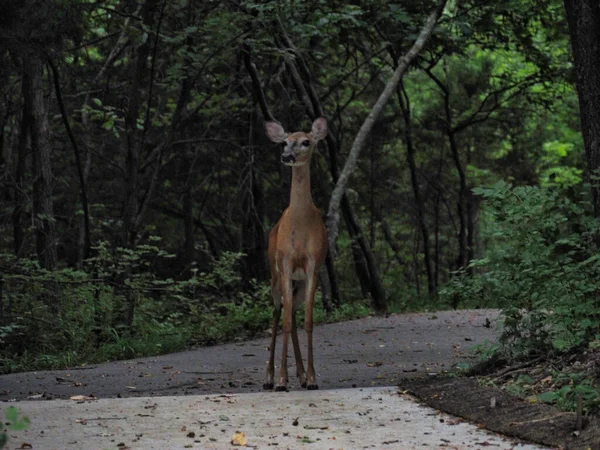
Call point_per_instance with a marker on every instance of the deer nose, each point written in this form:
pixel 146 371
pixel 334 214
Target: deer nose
pixel 288 158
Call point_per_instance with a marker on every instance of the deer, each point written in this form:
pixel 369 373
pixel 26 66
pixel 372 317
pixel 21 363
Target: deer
pixel 297 250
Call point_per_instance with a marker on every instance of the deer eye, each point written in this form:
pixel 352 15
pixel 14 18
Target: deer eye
pixel 305 143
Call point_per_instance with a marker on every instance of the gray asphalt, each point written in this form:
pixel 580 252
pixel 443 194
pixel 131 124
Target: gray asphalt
pixel 368 352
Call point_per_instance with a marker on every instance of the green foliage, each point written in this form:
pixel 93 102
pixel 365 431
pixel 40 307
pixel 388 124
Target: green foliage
pixel 568 388
pixel 56 313
pixel 14 422
pixel 69 317
pixel 540 266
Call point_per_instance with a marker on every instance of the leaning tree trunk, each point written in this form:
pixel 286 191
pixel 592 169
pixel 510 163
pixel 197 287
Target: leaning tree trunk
pixel 333 217
pixel 43 211
pixel 583 17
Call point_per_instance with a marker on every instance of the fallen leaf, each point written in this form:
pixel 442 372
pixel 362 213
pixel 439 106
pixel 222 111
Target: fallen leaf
pixel 239 439
pixel 26 445
pixel 82 398
pixel 374 364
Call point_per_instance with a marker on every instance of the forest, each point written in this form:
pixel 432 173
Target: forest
pixel 138 186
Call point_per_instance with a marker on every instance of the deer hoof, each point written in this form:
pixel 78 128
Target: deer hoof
pixel 304 384
pixel 280 389
pixel 268 386
pixel 312 387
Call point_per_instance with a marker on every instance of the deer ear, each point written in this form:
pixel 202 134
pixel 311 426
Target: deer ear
pixel 275 132
pixel 319 129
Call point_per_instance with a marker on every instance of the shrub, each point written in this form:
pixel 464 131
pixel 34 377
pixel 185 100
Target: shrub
pixel 541 266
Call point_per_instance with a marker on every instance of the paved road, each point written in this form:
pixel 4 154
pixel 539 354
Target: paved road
pixel 345 418
pixel 368 352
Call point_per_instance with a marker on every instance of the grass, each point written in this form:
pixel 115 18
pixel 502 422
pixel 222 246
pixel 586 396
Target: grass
pixel 227 323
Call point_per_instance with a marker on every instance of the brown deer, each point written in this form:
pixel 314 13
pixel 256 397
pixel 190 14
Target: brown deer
pixel 297 249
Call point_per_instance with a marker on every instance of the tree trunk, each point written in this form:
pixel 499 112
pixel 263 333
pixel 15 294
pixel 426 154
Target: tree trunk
pixel 471 216
pixel 362 135
pixel 378 296
pixel 583 17
pixel 436 225
pixel 43 212
pixel 462 260
pixel 419 205
pixel 415 261
pixel 83 253
pixel 188 213
pixel 360 265
pixel 253 234
pixel 133 137
pixel 19 198
pixel 389 237
pixel 334 289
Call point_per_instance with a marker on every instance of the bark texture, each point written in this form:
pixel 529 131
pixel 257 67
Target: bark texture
pixel 43 210
pixel 583 17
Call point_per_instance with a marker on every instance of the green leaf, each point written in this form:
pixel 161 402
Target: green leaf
pixel 548 397
pixel 12 414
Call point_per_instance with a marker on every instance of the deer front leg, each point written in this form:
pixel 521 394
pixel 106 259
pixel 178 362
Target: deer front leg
pixel 311 289
pixel 299 296
pixel 271 365
pixel 286 291
pixel 276 294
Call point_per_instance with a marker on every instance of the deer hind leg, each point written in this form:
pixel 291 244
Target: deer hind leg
pixel 276 293
pixel 288 312
pixel 299 294
pixel 311 288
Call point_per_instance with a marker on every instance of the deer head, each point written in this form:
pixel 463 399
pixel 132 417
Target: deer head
pixel 297 147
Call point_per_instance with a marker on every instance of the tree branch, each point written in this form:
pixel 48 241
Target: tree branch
pixel 367 126
pixel 84 199
pixel 259 94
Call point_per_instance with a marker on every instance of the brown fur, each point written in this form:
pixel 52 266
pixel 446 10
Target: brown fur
pixel 297 249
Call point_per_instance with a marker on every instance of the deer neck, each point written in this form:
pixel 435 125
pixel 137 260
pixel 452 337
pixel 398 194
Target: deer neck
pixel 300 196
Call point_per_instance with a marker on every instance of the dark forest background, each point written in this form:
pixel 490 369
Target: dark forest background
pixel 138 187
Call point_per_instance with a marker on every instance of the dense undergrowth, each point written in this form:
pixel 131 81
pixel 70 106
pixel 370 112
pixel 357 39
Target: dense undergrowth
pixel 542 267
pixel 69 317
